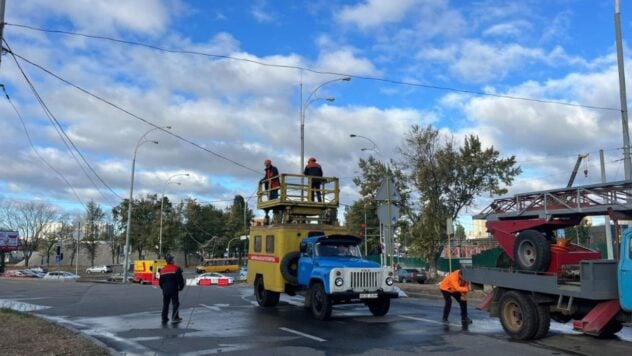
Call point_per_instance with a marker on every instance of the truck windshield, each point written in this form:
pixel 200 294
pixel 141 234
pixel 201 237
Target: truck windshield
pixel 338 250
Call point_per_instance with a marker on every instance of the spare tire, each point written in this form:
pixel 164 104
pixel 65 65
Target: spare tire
pixel 289 267
pixel 532 251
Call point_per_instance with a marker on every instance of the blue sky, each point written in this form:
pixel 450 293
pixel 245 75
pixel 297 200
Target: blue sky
pixel 562 51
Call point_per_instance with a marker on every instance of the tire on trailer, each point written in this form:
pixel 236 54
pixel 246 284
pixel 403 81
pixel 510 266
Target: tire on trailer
pixel 380 306
pixel 610 329
pixel 518 315
pixel 289 267
pixel 321 302
pixel 532 251
pixel 544 321
pixel 265 298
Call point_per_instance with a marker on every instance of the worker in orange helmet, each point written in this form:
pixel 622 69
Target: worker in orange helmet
pixel 454 286
pixel 314 170
pixel 271 180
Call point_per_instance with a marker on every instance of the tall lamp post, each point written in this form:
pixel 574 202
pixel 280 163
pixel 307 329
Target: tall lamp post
pixel 140 142
pixel 305 104
pixel 162 202
pixel 388 236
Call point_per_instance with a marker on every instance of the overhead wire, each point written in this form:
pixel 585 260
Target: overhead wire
pixel 311 70
pixel 60 131
pixel 85 91
pixel 28 136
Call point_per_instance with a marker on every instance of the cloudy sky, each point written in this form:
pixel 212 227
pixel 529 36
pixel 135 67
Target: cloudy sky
pixel 228 80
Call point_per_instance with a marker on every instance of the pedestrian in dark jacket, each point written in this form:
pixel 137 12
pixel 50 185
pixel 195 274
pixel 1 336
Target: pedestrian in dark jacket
pixel 271 180
pixel 171 282
pixel 313 170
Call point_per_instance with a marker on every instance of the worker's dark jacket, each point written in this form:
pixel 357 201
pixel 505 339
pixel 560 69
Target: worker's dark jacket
pixel 313 169
pixel 171 280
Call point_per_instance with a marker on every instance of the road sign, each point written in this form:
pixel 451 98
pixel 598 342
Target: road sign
pixel 387 191
pixel 383 213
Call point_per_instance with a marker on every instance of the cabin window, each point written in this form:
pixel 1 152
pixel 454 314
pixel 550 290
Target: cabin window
pixel 270 244
pixel 258 243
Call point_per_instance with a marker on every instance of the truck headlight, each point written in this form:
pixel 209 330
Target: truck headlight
pixel 339 282
pixel 389 281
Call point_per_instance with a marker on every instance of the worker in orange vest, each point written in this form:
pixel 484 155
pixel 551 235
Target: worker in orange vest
pixel 454 286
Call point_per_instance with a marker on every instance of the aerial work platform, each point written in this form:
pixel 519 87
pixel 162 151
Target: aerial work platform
pixel 596 199
pixel 297 201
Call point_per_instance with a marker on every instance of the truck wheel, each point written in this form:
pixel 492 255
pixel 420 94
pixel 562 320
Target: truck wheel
pixel 532 252
pixel 544 321
pixel 380 307
pixel 321 303
pixel 610 329
pixel 265 298
pixel 518 315
pixel 289 267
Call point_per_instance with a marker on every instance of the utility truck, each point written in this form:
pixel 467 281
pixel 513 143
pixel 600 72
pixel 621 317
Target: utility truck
pixel 302 250
pixel 542 277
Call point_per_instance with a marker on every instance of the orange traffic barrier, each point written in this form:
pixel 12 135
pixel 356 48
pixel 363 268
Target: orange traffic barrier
pixel 205 282
pixel 222 282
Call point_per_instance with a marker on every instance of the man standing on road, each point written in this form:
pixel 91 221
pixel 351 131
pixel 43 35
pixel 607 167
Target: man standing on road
pixel 171 282
pixel 454 286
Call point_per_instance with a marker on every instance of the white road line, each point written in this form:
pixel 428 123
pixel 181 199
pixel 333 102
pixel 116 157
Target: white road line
pixel 303 334
pixel 426 320
pixel 215 308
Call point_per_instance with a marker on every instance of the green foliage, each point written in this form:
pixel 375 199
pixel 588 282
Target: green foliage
pixel 448 178
pixel 579 233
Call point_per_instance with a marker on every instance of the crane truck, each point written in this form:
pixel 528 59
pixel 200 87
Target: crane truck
pixel 542 277
pixel 302 250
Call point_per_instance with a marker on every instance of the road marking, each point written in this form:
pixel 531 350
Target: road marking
pixel 303 334
pixel 426 320
pixel 215 308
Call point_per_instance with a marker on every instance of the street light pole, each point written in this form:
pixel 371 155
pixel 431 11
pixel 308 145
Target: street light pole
pixel 162 202
pixel 243 237
pixel 304 105
pixel 140 142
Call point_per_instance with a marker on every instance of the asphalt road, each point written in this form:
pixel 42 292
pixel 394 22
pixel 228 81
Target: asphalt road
pixel 126 318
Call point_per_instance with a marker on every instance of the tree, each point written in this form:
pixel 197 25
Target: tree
pixel 580 233
pixel 93 218
pixel 145 222
pixel 30 219
pixel 449 178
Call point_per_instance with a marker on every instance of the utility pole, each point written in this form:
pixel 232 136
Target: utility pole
pixel 2 5
pixel 622 93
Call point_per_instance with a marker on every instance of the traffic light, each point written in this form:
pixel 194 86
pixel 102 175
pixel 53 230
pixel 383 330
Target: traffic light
pixel 361 233
pixel 58 250
pixel 61 256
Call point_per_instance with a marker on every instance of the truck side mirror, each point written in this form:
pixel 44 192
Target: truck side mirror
pixel 303 247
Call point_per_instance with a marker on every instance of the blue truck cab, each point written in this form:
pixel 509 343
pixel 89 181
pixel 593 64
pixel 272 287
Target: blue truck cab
pixel 625 271
pixel 332 271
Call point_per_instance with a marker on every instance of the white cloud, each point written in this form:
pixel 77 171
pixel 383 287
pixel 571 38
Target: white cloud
pixel 374 13
pixel 103 16
pixel 507 29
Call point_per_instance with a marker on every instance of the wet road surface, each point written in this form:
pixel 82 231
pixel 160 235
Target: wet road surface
pixel 127 319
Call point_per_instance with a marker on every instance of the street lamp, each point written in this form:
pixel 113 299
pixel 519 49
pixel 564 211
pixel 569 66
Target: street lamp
pixel 140 142
pixel 304 105
pixel 162 202
pixel 388 239
pixel 242 238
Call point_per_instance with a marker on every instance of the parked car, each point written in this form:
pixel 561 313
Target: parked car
pixel 33 273
pixel 38 269
pixel 61 275
pixel 406 275
pixel 213 277
pixel 119 277
pixel 18 274
pixel 99 269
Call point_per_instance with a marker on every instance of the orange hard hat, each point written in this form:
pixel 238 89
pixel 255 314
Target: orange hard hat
pixel 312 159
pixel 267 162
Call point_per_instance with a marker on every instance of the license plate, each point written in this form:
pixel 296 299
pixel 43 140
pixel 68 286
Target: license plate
pixel 368 295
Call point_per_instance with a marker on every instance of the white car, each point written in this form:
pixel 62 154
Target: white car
pixel 99 269
pixel 61 275
pixel 212 278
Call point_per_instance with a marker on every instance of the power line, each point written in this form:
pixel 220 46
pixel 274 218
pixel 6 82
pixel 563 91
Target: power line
pixel 62 133
pixel 85 91
pixel 28 136
pixel 307 69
